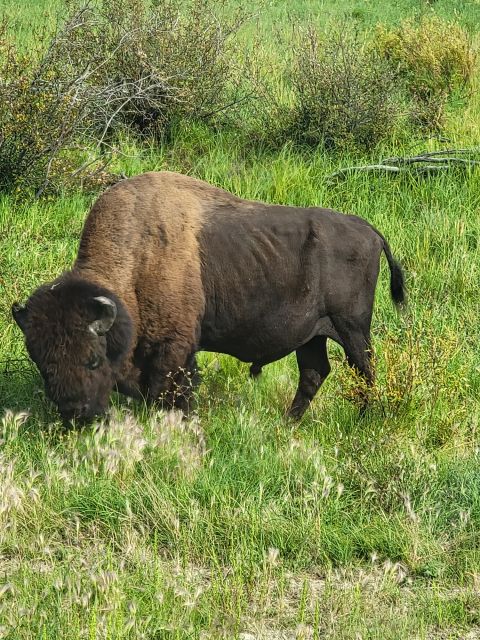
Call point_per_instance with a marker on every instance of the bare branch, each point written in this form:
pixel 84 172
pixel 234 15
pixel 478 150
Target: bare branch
pixel 430 158
pixel 435 162
pixel 382 168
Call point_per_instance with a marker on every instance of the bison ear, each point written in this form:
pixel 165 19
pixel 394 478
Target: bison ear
pixel 105 312
pixel 19 313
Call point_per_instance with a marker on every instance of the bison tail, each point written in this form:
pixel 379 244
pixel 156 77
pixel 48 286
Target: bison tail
pixel 397 279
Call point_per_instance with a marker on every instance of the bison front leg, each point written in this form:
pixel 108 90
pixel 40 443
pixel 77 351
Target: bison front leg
pixel 314 367
pixel 170 378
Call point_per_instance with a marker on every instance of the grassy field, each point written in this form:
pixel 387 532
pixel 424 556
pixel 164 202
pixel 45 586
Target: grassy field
pixel 238 524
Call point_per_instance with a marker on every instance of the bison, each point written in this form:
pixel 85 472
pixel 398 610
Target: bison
pixel 169 265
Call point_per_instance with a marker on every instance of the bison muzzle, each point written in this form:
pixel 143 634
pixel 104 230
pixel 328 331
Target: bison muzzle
pixel 169 265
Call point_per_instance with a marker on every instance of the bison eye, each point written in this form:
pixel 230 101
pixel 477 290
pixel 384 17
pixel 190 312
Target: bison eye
pixel 94 363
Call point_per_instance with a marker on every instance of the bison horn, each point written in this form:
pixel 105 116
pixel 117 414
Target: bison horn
pixel 19 313
pixel 106 312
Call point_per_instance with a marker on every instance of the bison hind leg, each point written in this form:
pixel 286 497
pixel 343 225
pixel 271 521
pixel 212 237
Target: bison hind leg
pixel 357 346
pixel 314 367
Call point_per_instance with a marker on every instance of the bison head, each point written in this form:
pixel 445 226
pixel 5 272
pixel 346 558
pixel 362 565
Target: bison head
pixel 78 334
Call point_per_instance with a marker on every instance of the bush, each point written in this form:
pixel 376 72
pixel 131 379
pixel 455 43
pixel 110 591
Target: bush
pixel 111 67
pixel 163 60
pixel 434 58
pixel 37 119
pixel 344 94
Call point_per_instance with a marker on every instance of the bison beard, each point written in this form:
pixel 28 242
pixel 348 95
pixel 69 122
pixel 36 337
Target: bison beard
pixel 169 265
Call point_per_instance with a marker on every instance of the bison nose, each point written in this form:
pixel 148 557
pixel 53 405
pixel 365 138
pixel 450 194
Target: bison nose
pixel 72 410
pixel 83 413
pixel 79 417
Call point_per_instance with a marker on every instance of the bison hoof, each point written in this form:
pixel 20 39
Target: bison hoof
pixel 296 413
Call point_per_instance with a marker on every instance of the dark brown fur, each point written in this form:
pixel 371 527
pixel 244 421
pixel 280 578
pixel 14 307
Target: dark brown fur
pixel 188 267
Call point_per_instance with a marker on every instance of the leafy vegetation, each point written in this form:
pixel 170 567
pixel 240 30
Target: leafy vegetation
pixel 435 60
pixel 108 68
pixel 345 95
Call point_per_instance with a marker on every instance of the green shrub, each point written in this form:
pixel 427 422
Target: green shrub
pixel 37 119
pixel 434 58
pixel 344 94
pixel 111 67
pixel 162 61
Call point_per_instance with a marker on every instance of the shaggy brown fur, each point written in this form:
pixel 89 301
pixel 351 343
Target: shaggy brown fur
pixel 169 265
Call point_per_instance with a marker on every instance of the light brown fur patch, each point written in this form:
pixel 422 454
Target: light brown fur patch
pixel 140 240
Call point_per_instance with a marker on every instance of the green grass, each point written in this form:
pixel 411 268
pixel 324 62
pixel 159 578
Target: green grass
pixel 239 522
pixel 272 17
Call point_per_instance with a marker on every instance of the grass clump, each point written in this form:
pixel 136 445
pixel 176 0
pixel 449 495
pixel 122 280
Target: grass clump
pixel 435 60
